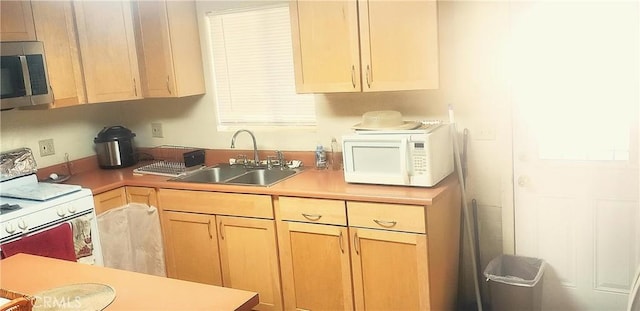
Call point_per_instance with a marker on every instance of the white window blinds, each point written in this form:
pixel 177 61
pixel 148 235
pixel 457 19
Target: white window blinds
pixel 253 69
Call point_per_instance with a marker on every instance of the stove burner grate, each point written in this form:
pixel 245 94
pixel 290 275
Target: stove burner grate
pixel 8 208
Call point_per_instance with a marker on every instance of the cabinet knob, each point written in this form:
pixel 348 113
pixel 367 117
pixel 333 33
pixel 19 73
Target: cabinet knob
pixel 523 181
pixel 523 157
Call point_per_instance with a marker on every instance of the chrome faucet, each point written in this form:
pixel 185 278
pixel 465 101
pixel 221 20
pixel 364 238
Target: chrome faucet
pixel 255 147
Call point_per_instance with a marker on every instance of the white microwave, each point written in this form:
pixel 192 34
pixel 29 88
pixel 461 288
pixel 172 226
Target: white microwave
pixel 421 157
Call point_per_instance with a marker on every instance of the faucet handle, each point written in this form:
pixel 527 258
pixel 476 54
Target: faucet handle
pixel 270 160
pixel 281 161
pixel 242 159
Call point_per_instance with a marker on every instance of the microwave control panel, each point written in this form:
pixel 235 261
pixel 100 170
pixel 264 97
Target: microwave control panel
pixel 418 156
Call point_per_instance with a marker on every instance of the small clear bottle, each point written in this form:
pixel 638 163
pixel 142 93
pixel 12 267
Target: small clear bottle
pixel 321 158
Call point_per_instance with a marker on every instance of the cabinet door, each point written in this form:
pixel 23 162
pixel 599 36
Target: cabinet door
pixel 314 259
pixel 169 47
pixel 191 247
pixel 325 46
pixel 16 21
pixel 142 195
pixel 107 44
pixel 55 27
pixel 248 254
pixel 399 44
pixel 109 200
pixel 390 270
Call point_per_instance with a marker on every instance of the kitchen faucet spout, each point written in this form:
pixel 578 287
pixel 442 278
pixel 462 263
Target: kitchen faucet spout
pixel 255 146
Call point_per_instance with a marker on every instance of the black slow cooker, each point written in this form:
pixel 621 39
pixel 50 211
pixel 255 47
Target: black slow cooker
pixel 114 147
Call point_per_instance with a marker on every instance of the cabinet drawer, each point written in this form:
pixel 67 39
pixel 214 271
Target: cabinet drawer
pixel 248 205
pixel 320 211
pixel 397 217
pixel 109 200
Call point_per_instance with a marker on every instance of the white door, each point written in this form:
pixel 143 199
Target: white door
pixel 575 68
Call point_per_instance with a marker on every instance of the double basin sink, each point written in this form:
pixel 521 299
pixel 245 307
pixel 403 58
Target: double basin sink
pixel 238 175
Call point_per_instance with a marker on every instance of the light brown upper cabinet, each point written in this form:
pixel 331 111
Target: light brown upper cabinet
pixel 16 21
pixel 55 27
pixel 108 49
pixel 353 46
pixel 169 48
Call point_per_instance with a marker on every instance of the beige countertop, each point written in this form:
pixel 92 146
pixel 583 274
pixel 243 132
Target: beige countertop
pixel 311 183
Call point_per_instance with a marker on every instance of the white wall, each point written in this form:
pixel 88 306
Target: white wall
pixel 72 130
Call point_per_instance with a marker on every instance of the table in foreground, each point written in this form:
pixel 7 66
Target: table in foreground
pixel 29 274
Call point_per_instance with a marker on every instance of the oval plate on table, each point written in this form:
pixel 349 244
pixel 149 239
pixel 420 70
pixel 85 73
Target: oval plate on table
pixel 82 296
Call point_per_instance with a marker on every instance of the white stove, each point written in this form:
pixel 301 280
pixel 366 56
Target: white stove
pixel 28 206
pixel 27 215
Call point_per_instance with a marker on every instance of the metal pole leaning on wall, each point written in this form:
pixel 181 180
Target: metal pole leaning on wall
pixel 465 210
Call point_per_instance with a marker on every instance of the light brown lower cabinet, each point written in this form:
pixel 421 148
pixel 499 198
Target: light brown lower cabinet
pixel 390 270
pixel 318 254
pixel 316 273
pixel 212 238
pixel 109 200
pixel 249 258
pixel 191 247
pixel 142 195
pixel 121 196
pixel 396 256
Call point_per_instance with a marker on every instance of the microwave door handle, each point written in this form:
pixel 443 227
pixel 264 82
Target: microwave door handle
pixel 404 171
pixel 25 74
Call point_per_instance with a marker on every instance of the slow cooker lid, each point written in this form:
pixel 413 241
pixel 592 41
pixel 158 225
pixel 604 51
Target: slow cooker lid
pixel 113 133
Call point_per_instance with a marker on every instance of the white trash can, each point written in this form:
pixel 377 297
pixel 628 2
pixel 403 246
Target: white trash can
pixel 515 283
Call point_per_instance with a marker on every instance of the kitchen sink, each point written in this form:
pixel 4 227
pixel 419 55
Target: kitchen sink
pixel 262 177
pixel 238 175
pixel 213 174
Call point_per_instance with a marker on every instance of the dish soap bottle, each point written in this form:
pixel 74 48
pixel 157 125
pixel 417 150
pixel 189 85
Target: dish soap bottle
pixel 321 158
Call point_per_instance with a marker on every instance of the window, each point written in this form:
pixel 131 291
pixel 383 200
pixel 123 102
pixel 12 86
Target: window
pixel 253 69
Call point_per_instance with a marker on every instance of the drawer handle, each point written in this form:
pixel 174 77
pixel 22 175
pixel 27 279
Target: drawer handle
pixel 312 217
pixel 386 224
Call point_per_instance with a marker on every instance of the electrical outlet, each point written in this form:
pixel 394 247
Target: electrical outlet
pixel 46 147
pixel 156 130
